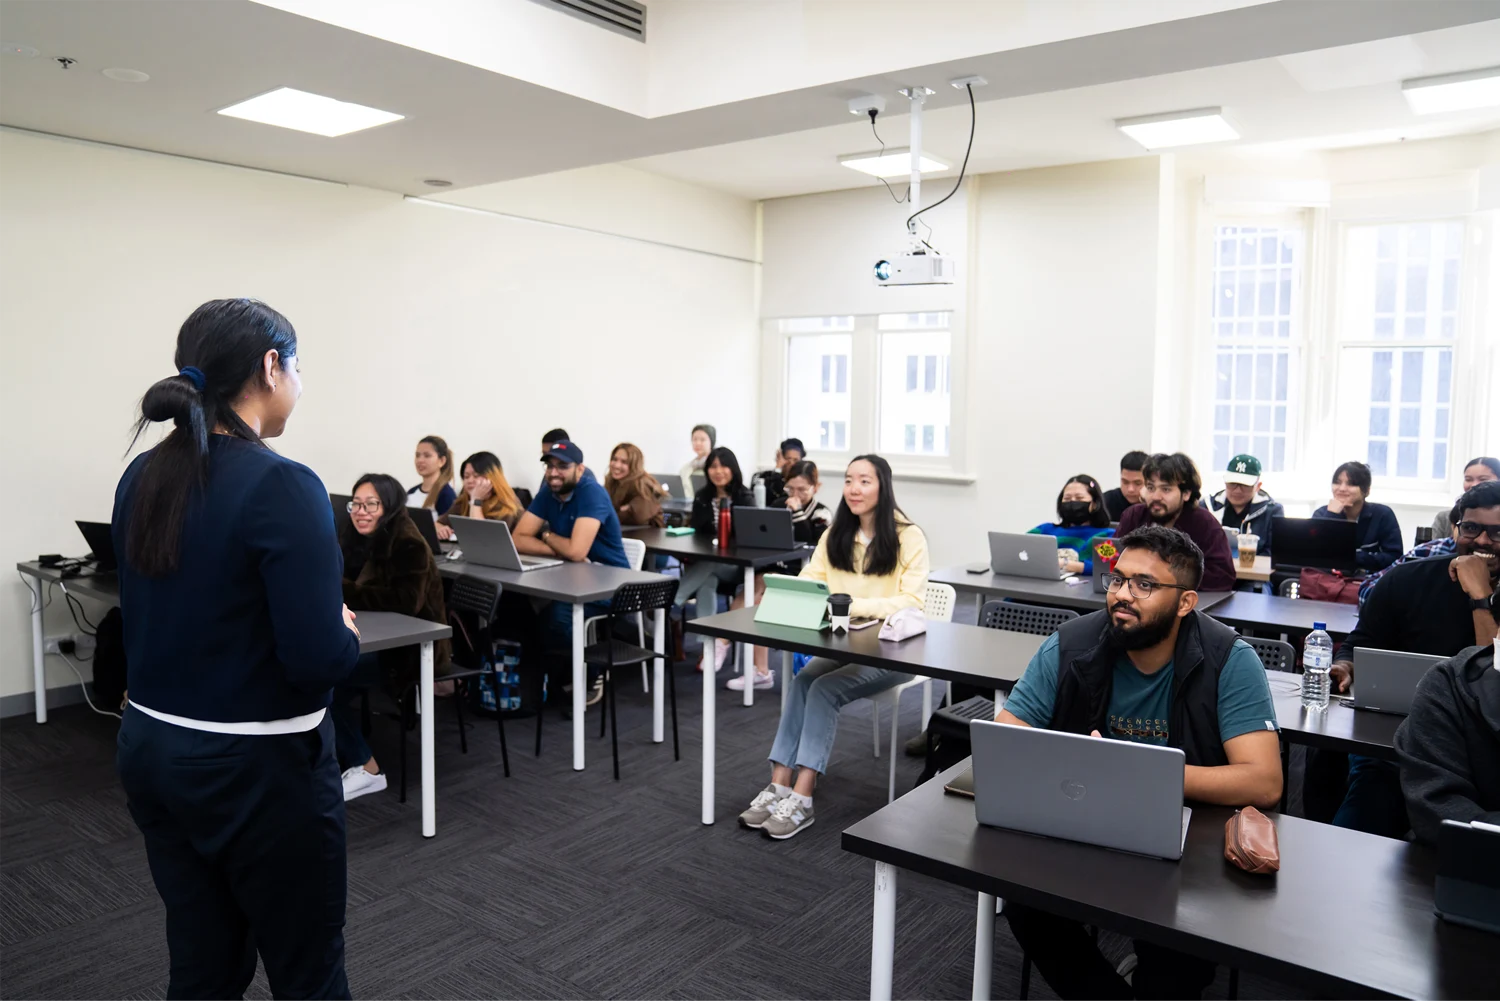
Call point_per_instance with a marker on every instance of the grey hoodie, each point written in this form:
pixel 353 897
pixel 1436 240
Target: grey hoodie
pixel 1257 516
pixel 1449 746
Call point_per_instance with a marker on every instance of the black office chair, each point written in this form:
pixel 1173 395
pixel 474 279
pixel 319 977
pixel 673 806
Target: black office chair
pixel 610 653
pixel 1037 620
pixel 1276 655
pixel 1424 534
pixel 524 496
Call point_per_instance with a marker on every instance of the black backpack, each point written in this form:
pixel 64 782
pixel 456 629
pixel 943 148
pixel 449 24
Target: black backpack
pixel 109 662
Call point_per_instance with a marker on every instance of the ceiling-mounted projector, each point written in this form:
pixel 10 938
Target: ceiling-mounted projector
pixel 923 268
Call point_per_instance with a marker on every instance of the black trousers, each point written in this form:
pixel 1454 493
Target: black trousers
pixel 1067 958
pixel 245 837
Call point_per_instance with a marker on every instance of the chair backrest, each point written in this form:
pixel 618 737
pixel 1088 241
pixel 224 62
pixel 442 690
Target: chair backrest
pixel 523 495
pixel 1277 655
pixel 471 594
pixel 1017 618
pixel 938 605
pixel 632 598
pixel 635 552
pixel 1290 588
pixel 1424 534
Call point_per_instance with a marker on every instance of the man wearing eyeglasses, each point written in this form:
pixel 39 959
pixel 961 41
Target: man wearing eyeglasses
pixel 1440 606
pixel 1170 498
pixel 1153 669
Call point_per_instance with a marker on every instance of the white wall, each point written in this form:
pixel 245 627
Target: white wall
pixel 412 320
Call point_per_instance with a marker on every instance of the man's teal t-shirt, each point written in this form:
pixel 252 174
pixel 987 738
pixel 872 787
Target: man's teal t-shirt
pixel 1140 704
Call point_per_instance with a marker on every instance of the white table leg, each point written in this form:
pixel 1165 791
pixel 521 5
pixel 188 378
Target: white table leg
pixel 429 746
pixel 38 641
pixel 580 679
pixel 747 652
pixel 984 945
pixel 708 729
pixel 926 702
pixel 786 676
pixel 658 677
pixel 883 933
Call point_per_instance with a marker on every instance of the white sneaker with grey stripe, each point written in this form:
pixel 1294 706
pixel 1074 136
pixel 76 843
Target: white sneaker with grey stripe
pixel 788 816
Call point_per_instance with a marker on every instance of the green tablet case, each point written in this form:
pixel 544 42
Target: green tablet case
pixel 793 601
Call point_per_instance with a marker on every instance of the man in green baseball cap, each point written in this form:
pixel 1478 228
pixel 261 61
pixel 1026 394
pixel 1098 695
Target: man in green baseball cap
pixel 1243 505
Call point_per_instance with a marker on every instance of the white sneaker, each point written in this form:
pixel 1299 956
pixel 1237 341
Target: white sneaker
pixel 762 681
pixel 358 782
pixel 721 653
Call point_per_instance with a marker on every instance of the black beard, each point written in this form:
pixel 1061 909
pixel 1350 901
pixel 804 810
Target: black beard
pixel 1164 519
pixel 1146 633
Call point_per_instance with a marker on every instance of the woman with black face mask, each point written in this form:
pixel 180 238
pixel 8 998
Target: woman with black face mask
pixel 1081 518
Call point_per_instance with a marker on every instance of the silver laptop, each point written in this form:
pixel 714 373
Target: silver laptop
pixel 1386 680
pixel 764 528
pixel 671 483
pixel 1112 793
pixel 1025 555
pixel 488 544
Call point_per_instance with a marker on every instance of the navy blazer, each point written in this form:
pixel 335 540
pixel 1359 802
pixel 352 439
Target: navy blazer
pixel 1377 535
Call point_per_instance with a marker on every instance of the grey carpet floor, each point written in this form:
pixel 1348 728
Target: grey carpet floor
pixel 550 884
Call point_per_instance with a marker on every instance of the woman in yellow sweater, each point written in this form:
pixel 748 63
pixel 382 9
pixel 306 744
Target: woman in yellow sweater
pixel 874 554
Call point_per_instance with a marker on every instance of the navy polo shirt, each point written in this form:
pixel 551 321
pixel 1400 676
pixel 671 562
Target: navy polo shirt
pixel 588 500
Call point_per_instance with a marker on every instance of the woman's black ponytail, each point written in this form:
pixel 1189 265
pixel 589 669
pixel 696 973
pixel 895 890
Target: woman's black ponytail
pixel 219 351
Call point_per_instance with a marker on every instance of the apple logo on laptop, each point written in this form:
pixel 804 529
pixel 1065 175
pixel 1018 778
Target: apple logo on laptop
pixel 1073 789
pixel 1024 556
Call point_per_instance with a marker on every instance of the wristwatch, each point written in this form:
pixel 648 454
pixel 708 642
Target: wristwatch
pixel 545 532
pixel 1489 604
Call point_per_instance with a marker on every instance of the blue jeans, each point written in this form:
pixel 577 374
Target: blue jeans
pixel 1374 802
pixel 349 742
pixel 805 737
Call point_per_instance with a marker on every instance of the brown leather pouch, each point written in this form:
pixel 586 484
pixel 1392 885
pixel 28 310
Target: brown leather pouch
pixel 1250 841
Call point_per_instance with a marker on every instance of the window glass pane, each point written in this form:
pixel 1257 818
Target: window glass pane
pixel 1440 424
pixel 816 397
pixel 1411 376
pixel 1406 458
pixel 914 398
pixel 1380 422
pixel 1409 442
pixel 1380 377
pixel 1221 451
pixel 1440 461
pixel 839 442
pixel 1262 419
pixel 1376 459
pixel 1400 280
pixel 1278 454
pixel 1411 422
pixel 1445 375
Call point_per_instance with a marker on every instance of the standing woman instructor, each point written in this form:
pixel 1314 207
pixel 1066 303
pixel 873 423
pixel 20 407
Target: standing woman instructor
pixel 235 634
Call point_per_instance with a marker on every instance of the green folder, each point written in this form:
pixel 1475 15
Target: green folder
pixel 793 601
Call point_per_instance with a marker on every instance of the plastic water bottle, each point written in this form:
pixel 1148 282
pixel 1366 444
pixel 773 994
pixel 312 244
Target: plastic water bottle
pixel 1317 658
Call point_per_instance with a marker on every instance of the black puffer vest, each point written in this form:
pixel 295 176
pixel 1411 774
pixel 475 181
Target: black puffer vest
pixel 1086 673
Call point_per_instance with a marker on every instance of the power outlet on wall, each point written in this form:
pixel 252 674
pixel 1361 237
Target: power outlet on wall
pixel 80 642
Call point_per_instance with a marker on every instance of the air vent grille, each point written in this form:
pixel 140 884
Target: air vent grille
pixel 620 16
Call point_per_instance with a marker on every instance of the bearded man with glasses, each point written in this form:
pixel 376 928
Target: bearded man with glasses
pixel 1440 605
pixel 1153 669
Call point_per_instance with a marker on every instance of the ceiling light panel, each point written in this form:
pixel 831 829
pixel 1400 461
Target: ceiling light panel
pixel 1453 91
pixel 289 108
pixel 891 163
pixel 1178 128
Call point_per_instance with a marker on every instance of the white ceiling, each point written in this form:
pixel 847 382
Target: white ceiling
pixel 1326 98
pixel 472 125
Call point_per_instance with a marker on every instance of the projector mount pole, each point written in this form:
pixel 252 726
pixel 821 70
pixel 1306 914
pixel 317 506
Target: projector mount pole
pixel 918 97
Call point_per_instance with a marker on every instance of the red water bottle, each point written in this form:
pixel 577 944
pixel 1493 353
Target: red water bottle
pixel 724 524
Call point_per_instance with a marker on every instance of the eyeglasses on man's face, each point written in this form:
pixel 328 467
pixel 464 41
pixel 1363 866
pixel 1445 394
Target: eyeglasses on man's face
pixel 1474 529
pixel 372 506
pixel 1141 587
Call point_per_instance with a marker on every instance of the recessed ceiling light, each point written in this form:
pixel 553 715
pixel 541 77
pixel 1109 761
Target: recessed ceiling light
pixel 437 182
pixel 17 49
pixel 297 109
pixel 126 76
pixel 1453 91
pixel 1178 128
pixel 894 162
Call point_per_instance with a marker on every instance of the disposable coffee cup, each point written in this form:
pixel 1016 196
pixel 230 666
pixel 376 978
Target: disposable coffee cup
pixel 838 611
pixel 1247 550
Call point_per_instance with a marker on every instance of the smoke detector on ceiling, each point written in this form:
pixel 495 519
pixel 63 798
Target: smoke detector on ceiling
pixel 437 182
pixel 18 50
pixel 126 76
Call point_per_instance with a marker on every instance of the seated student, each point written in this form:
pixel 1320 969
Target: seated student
pixel 487 494
pixel 874 554
pixel 1378 535
pixel 810 519
pixel 1131 482
pixel 548 440
pixel 705 439
pixel 1081 517
pixel 434 463
pixel 1437 606
pixel 1449 746
pixel 1444 546
pixel 1477 471
pixel 388 567
pixel 1243 505
pixel 573 519
pixel 635 494
pixel 1149 668
pixel 788 454
pixel 702 579
pixel 1170 499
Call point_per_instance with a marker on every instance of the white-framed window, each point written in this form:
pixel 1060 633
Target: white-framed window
pixel 881 383
pixel 1398 329
pixel 1256 319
